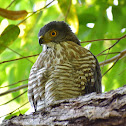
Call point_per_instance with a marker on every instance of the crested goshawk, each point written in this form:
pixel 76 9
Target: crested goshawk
pixel 64 69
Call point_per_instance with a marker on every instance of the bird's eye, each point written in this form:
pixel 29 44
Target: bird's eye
pixel 53 33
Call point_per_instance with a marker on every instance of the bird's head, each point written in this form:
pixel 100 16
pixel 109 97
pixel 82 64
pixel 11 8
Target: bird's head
pixel 56 31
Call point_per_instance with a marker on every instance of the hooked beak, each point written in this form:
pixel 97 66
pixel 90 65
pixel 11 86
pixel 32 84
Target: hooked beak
pixel 41 40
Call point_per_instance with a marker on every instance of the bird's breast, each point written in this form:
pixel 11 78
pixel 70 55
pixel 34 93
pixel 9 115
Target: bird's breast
pixel 61 53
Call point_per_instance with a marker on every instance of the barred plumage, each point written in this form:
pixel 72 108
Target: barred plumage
pixel 63 70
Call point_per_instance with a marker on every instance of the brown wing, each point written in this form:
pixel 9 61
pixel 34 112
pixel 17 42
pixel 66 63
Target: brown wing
pixel 94 77
pixel 87 69
pixel 36 84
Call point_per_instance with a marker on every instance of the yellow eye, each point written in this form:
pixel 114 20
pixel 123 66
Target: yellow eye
pixel 53 33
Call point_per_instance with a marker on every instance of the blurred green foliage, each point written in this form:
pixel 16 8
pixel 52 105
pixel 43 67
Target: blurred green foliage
pixel 8 36
pixel 78 13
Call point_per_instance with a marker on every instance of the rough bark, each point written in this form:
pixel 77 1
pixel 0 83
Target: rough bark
pixel 107 109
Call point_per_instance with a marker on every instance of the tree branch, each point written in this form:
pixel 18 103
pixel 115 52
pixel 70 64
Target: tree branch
pixel 119 56
pixel 18 58
pixel 90 110
pixel 14 89
pixel 124 36
pixel 13 83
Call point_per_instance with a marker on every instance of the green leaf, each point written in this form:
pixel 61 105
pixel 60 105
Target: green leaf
pixel 69 12
pixel 8 36
pixel 16 113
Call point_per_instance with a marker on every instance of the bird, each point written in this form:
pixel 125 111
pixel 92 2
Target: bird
pixel 63 70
